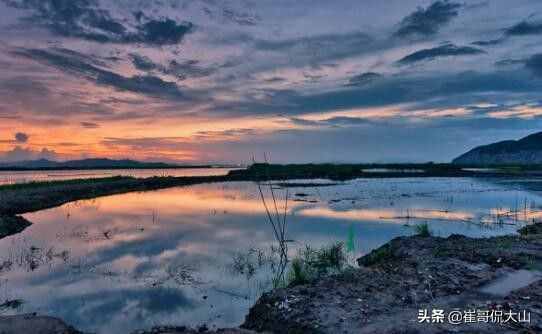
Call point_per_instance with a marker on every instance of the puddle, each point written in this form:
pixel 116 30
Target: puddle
pixel 512 281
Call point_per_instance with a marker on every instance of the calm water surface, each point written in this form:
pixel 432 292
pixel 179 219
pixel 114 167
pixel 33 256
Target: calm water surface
pixel 181 255
pixel 10 177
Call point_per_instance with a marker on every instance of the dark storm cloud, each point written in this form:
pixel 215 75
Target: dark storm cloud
pixel 427 22
pixel 83 67
pixel 21 137
pixel 525 28
pixel 84 19
pixel 446 50
pixel 363 79
pixel 534 64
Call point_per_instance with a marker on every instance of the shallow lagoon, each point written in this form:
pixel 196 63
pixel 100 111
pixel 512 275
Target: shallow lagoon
pixel 175 256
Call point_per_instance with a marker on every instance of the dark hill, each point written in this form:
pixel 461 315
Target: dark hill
pixel 525 151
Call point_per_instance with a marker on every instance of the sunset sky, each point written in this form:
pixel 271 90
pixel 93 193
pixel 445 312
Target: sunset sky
pixel 305 80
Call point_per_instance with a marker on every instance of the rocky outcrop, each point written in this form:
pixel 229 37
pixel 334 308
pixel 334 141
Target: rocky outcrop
pixel 525 151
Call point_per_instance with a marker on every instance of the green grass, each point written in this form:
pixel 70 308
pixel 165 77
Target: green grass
pixel 423 230
pixel 312 263
pixel 298 273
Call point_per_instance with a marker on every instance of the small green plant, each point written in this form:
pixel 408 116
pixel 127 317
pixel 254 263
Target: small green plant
pixel 298 274
pixel 312 263
pixel 423 230
pixel 331 257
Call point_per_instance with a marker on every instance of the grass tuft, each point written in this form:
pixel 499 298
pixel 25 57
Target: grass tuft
pixel 423 230
pixel 313 263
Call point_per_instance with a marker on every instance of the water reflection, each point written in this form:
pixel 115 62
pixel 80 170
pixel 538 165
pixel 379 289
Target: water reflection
pixel 202 254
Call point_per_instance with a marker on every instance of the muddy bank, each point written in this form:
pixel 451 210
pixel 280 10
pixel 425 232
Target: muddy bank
pixel 416 273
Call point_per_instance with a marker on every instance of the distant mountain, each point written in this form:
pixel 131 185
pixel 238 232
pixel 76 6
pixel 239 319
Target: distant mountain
pixel 84 164
pixel 525 151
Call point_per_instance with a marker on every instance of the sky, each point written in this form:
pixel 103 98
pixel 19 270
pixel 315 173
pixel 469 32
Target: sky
pixel 297 81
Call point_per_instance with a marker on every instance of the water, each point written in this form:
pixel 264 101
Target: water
pixel 201 254
pixel 11 177
pixel 512 281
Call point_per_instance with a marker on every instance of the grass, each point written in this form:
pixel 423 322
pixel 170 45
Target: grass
pixel 313 263
pixel 423 230
pixel 298 273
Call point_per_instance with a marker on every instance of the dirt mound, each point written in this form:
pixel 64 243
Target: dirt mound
pixel 409 275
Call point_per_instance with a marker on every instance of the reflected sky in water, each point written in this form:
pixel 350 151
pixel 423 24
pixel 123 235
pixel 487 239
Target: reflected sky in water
pixel 132 261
